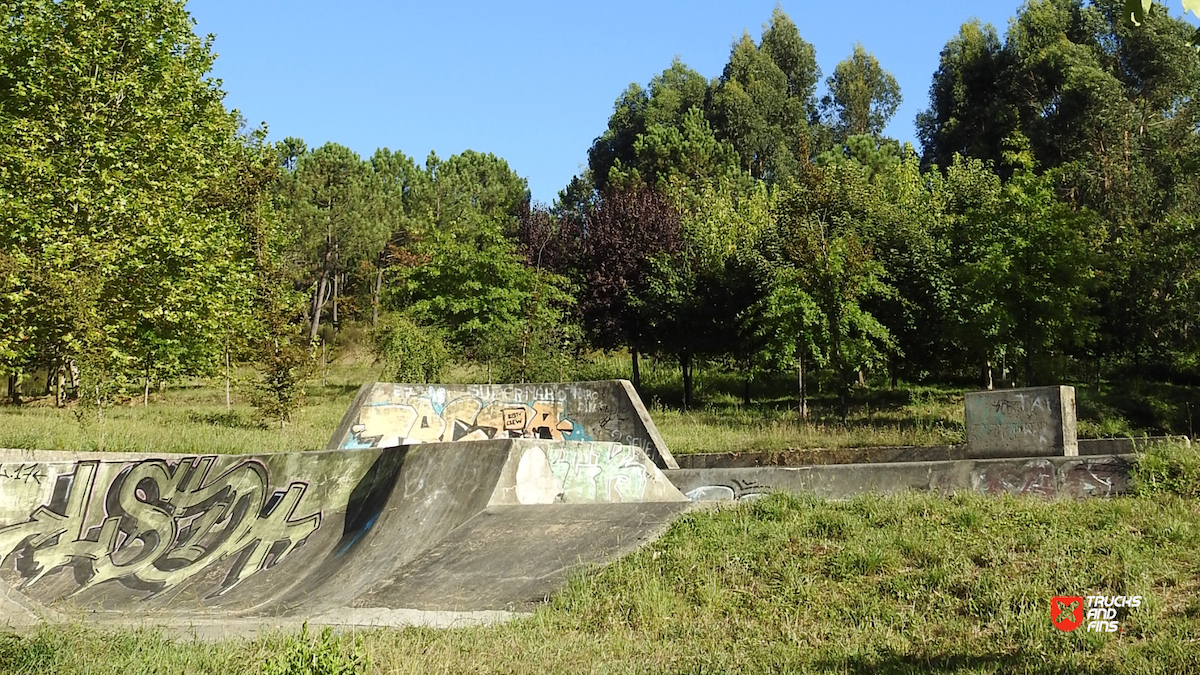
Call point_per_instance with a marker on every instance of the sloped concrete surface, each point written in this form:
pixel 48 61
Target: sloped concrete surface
pixel 433 533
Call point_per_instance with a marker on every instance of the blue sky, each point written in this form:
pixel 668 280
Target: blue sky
pixel 532 82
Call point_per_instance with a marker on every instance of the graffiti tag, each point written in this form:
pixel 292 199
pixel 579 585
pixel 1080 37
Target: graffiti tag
pixel 159 523
pixel 431 418
pixel 601 472
pixel 23 473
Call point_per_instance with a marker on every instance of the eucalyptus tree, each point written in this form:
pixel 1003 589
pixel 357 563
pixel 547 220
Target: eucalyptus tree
pixel 862 96
pixel 763 100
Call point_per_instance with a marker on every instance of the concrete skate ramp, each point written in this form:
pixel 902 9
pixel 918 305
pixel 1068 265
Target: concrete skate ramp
pixel 359 537
pixel 385 414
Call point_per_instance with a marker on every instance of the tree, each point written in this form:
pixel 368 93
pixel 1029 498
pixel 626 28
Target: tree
pixel 761 110
pixel 821 222
pixel 335 204
pixel 1027 269
pixel 117 242
pixel 670 96
pixel 862 96
pixel 616 247
pixel 967 113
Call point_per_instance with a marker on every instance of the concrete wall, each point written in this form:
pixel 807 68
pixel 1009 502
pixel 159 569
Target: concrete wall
pixel 1031 421
pixel 307 532
pixel 389 414
pixel 898 453
pixel 1043 477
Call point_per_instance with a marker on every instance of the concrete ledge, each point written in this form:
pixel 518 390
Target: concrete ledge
pixel 899 453
pixel 1048 477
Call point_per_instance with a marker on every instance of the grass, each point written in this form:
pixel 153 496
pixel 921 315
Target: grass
pixel 902 584
pixel 194 418
pixel 188 417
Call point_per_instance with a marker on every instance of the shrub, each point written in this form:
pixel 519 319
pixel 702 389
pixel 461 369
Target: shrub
pixel 1168 468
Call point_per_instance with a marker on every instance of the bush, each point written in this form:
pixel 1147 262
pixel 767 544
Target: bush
pixel 409 351
pixel 1168 468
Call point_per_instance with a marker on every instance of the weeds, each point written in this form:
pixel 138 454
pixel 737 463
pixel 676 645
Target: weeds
pixel 1168 468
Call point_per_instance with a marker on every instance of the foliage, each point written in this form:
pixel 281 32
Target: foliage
pixel 822 224
pixel 1167 468
pixel 276 342
pixel 409 351
pixel 862 96
pixel 117 239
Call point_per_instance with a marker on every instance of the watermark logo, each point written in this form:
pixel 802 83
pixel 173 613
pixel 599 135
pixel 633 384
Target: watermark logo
pixel 1067 612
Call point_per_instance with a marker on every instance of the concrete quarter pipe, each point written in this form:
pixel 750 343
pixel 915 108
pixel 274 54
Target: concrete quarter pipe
pixel 426 533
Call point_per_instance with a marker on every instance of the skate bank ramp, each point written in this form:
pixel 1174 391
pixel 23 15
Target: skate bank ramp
pixel 351 537
pixel 385 414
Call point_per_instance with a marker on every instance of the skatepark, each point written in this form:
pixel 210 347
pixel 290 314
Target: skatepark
pixel 437 505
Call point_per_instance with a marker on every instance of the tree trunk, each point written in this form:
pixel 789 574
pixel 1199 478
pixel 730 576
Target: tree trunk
pixel 334 314
pixel 685 366
pixel 375 298
pixel 319 299
pixel 637 371
pixel 317 305
pixel 746 390
pixel 987 374
pixel 862 378
pixel 14 388
pixel 802 386
pixel 58 386
pixel 228 400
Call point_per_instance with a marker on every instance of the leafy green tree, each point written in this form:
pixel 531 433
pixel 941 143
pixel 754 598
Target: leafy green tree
pixel 409 351
pixel 335 204
pixel 1027 266
pixel 671 95
pixel 116 240
pixel 968 114
pixel 669 158
pixel 761 110
pixel 822 222
pixel 862 96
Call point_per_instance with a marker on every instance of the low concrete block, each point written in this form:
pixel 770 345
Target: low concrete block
pixel 1049 478
pixel 1030 422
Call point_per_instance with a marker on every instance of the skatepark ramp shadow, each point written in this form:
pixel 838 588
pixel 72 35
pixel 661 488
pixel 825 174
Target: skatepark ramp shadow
pixel 440 533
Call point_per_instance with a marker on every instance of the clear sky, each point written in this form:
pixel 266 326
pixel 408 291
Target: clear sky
pixel 532 82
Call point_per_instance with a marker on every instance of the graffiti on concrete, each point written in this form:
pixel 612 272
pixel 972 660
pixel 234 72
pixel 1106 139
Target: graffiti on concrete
pixel 428 417
pixel 599 472
pixel 734 489
pixel 1024 417
pixel 1103 478
pixel 1039 420
pixel 157 523
pixel 1034 478
pixel 22 473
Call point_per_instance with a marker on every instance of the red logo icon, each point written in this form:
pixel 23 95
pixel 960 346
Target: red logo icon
pixel 1066 612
